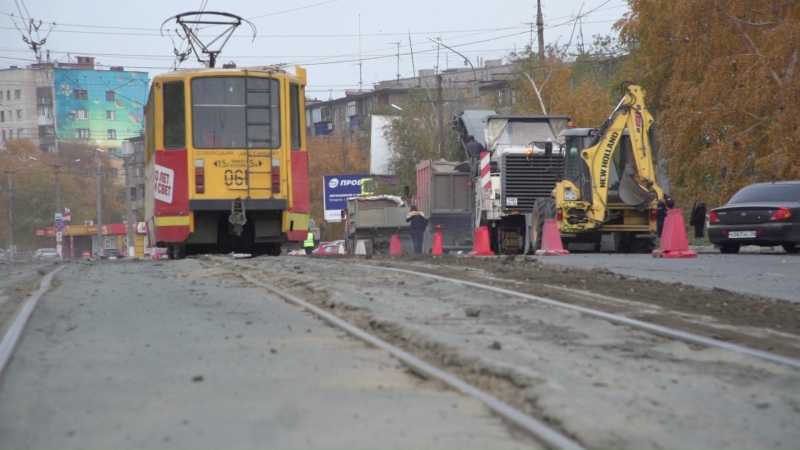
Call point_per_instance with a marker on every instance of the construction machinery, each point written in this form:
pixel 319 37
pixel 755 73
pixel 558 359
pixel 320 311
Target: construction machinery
pixel 608 182
pixel 521 164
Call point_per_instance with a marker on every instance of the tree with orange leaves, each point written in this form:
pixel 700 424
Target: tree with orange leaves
pixel 721 82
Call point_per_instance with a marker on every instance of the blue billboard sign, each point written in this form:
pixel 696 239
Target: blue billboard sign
pixel 336 190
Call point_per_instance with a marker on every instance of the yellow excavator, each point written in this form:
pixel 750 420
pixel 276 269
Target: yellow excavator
pixel 608 182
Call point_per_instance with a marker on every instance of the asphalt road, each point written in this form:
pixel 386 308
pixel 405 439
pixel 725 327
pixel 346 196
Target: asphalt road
pixel 754 271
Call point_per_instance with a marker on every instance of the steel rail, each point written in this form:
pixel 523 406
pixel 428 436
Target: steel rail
pixel 14 333
pixel 538 429
pixel 657 329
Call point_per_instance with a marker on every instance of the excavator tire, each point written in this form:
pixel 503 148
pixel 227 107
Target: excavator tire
pixel 628 243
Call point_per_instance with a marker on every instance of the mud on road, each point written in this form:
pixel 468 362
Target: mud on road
pixel 758 322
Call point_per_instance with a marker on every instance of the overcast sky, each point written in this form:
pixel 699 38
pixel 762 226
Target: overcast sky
pixel 344 44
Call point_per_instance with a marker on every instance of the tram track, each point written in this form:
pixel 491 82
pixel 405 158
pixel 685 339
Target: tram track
pixel 548 435
pixel 518 384
pixel 570 374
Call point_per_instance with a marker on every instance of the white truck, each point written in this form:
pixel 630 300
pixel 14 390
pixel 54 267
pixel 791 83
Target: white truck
pixel 522 163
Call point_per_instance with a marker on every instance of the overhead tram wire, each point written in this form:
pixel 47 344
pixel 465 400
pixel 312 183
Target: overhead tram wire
pixel 321 61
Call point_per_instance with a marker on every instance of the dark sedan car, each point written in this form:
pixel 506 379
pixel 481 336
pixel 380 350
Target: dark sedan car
pixel 110 253
pixel 763 214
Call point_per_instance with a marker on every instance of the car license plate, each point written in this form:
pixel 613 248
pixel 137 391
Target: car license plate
pixel 741 234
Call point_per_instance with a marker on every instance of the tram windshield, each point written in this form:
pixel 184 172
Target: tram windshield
pixel 235 112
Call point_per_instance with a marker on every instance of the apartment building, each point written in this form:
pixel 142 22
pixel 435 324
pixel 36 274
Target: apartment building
pixel 462 88
pixel 54 102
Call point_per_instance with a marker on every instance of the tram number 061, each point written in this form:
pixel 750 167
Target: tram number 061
pixel 235 178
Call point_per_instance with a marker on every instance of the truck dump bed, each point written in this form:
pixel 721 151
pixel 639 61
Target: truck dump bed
pixel 445 196
pixel 443 188
pixel 375 220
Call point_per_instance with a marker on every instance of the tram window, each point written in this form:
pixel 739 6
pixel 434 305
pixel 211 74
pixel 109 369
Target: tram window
pixel 235 112
pixel 294 105
pixel 174 116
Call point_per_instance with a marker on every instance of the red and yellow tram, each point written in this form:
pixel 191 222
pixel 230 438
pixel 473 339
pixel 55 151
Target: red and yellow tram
pixel 227 166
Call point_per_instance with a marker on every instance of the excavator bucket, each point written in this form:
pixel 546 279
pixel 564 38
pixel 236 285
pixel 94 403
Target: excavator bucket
pixel 630 191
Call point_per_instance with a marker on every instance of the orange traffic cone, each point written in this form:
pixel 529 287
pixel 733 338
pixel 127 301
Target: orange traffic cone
pixel 674 243
pixel 480 247
pixel 437 244
pixel 394 246
pixel 551 240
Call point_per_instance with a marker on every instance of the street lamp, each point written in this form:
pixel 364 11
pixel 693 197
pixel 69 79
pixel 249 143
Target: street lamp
pixel 475 90
pixel 11 246
pixel 57 170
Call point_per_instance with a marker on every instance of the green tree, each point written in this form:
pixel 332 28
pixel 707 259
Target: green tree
pixel 414 136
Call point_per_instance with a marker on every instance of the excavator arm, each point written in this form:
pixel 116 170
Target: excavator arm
pixel 637 182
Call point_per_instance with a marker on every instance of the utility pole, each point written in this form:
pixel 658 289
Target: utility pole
pixel 398 59
pixel 131 218
pixel 57 216
pixel 540 28
pixel 100 245
pixel 10 176
pixel 344 130
pixel 440 104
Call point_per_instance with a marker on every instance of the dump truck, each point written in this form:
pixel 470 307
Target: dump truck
pixel 521 164
pixel 444 195
pixel 374 220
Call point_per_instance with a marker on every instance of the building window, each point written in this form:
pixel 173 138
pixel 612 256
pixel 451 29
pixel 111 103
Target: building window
pixel 4 135
pixel 46 130
pixel 45 111
pixel 81 94
pixel 8 95
pixel 17 94
pixel 110 96
pixel 44 96
pixel 81 114
pixel 82 133
pixel 2 116
pixel 19 114
pixel 20 133
pixel 10 135
pixel 112 134
pixel 111 115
